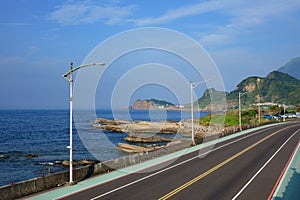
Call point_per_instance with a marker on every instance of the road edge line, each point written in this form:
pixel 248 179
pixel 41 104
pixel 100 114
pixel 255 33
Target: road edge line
pixel 283 173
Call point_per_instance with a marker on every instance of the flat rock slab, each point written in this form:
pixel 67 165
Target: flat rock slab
pixel 147 138
pixel 136 149
pixel 137 126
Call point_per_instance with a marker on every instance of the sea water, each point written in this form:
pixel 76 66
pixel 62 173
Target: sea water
pixel 33 141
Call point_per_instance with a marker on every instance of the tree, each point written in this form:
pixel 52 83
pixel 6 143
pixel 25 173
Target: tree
pixel 274 110
pixel 297 108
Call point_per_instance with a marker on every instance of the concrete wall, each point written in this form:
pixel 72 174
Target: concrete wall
pixel 33 185
pixel 39 184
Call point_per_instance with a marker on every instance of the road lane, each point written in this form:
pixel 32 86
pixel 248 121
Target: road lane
pixel 287 185
pixel 264 182
pixel 224 182
pixel 217 167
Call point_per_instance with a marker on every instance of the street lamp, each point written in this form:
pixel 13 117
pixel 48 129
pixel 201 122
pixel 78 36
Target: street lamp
pixel 70 79
pixel 192 86
pixel 283 112
pixel 240 113
pixel 259 111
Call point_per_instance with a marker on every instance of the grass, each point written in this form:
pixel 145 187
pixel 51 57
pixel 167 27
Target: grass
pixel 227 120
pixel 230 118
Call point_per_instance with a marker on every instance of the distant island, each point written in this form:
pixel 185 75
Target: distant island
pixel 148 104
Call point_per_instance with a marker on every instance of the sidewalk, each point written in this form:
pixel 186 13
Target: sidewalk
pixel 289 185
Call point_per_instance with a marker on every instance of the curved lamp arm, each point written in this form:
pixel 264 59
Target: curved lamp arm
pixel 79 67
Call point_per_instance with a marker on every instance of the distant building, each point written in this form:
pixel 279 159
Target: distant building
pixel 266 104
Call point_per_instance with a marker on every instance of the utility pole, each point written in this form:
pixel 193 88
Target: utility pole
pixel 192 86
pixel 259 110
pixel 240 112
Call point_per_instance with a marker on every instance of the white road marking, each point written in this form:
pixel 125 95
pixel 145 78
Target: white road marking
pixel 245 186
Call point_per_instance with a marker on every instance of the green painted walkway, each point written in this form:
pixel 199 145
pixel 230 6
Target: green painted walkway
pixel 289 186
pixel 96 180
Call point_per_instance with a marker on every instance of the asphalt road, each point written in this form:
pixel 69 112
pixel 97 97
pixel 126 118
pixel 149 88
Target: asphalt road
pixel 245 167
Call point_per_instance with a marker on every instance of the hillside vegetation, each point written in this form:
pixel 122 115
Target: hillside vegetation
pixel 276 87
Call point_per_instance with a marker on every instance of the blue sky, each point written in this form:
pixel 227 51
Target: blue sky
pixel 40 38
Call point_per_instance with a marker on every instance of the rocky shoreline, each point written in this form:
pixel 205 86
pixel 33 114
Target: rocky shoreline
pixel 154 135
pixel 126 126
pixel 151 132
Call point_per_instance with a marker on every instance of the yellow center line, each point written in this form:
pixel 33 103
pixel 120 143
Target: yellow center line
pixel 194 180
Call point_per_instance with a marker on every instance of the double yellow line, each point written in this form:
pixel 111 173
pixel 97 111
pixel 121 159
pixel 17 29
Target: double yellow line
pixel 194 180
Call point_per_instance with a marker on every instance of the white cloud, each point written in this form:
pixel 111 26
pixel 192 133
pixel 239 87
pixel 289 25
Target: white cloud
pixel 86 12
pixel 241 16
pixel 181 12
pixel 261 12
pixel 215 38
pixel 242 12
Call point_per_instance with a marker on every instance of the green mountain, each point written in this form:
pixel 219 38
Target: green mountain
pixel 292 68
pixel 211 95
pixel 276 87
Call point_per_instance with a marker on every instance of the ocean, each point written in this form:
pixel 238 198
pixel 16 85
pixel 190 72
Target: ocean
pixel 33 141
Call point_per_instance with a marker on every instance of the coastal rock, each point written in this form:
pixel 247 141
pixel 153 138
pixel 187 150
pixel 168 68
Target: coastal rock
pixel 110 122
pixel 79 162
pixel 112 128
pixel 145 131
pixel 146 138
pixel 136 149
pixel 124 126
pixel 4 156
pixel 31 155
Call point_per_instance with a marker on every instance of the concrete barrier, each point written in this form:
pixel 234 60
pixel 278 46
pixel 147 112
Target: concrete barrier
pixel 33 185
pixel 39 184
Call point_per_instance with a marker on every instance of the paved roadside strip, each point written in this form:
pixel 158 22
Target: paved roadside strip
pixel 100 179
pixel 288 183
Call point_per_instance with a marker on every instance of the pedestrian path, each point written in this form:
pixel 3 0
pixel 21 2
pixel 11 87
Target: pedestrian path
pixel 289 185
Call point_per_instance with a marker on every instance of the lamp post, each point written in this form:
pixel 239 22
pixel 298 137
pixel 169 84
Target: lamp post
pixel 284 112
pixel 259 111
pixel 70 79
pixel 240 113
pixel 192 86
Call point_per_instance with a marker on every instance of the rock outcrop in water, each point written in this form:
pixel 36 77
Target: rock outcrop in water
pixel 136 149
pixel 79 162
pixel 150 132
pixel 4 156
pixel 147 138
pixel 124 126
